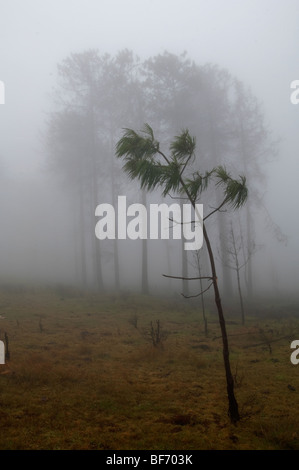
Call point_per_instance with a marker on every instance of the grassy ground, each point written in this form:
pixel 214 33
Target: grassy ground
pixel 84 374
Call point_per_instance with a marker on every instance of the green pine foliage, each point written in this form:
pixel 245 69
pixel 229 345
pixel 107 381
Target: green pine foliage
pixel 146 162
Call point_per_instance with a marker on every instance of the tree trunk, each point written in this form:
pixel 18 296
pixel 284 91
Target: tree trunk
pixel 226 273
pixel 95 243
pixel 241 298
pixel 144 268
pixel 82 248
pixel 235 252
pixel 185 285
pixel 233 410
pixel 249 244
pixel 114 199
pixel 203 307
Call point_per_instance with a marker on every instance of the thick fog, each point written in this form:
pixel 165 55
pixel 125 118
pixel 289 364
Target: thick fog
pixel 256 41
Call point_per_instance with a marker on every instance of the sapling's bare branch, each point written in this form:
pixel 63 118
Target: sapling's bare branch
pixel 189 278
pixel 197 295
pixel 217 209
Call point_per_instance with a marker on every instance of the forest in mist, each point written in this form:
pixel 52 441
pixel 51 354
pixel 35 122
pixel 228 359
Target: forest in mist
pixel 97 97
pixel 120 329
pixel 48 210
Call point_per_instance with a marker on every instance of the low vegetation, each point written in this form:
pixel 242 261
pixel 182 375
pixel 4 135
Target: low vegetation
pixel 82 373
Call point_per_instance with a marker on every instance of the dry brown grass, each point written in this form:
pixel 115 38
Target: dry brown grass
pixel 82 376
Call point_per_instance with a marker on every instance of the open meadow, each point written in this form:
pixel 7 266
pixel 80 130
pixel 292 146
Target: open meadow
pixel 138 373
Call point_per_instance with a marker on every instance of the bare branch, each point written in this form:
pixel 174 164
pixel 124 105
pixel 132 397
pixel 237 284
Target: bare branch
pixel 200 293
pixel 164 156
pixel 189 278
pixel 216 210
pixel 182 223
pixel 185 164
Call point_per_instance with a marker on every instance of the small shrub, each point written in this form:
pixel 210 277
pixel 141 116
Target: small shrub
pixel 155 334
pixel 133 320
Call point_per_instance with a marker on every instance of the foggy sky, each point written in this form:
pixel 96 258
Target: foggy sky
pixel 256 40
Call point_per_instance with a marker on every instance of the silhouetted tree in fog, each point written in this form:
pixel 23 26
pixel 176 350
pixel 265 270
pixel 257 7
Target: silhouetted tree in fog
pixel 66 143
pixel 76 95
pixel 227 121
pixel 253 145
pixel 99 91
pixel 238 256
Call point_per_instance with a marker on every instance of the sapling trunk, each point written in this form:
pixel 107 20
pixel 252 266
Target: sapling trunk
pixel 233 409
pixel 233 405
pixel 140 163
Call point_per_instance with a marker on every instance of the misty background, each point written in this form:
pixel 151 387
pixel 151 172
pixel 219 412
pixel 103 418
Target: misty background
pixel 255 41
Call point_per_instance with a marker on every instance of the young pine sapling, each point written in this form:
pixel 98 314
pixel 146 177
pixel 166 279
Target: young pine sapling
pixel 145 161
